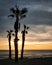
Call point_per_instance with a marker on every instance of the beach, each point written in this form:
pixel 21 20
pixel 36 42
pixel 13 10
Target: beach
pixel 34 57
pixel 27 61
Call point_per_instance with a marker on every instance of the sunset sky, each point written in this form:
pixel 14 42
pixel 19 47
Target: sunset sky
pixel 39 19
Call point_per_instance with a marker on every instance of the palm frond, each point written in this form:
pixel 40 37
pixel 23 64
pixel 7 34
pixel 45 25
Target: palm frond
pixel 23 16
pixel 24 26
pixel 27 27
pixel 11 15
pixel 13 10
pixel 24 10
pixel 26 32
pixel 17 9
pixel 11 30
pixel 7 31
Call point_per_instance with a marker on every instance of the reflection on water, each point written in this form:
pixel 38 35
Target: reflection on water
pixel 28 53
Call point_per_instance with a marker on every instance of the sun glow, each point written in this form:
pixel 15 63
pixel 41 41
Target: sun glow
pixel 12 43
pixel 28 45
pixel 32 43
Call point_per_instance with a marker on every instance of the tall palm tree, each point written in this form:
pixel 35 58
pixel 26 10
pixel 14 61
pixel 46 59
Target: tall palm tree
pixel 23 39
pixel 18 14
pixel 9 40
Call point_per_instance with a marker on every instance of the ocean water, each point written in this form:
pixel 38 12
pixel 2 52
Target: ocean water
pixel 27 53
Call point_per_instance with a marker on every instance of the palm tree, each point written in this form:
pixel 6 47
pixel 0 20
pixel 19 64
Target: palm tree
pixel 9 40
pixel 18 14
pixel 23 39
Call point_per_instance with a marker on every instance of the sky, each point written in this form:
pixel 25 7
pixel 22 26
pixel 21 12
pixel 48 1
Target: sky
pixel 39 19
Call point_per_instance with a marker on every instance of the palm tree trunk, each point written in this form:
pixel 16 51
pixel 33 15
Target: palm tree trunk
pixel 16 46
pixel 9 49
pixel 23 40
pixel 16 39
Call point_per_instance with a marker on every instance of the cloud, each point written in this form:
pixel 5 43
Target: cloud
pixel 38 14
pixel 39 33
pixel 39 18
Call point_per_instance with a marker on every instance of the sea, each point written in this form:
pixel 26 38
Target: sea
pixel 4 54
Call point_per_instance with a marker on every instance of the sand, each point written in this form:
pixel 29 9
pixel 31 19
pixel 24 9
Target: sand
pixel 27 61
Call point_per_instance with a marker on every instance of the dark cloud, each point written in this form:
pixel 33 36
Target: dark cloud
pixel 39 13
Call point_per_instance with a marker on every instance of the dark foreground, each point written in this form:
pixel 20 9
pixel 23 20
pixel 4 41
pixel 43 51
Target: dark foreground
pixel 26 61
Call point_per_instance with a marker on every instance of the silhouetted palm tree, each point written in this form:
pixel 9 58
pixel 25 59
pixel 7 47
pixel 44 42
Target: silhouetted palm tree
pixel 9 40
pixel 18 14
pixel 23 39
